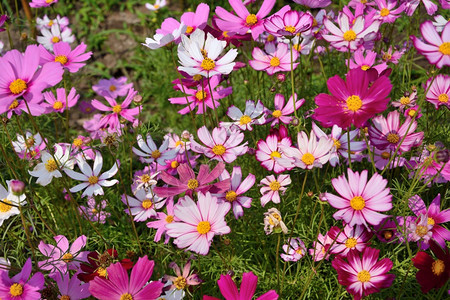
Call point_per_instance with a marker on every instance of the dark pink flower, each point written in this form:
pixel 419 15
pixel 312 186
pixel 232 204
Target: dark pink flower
pixel 21 286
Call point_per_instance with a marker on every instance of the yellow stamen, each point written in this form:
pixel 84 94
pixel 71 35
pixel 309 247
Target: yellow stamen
pixel 421 230
pixel 200 95
pixel 174 164
pixel 219 149
pixel 17 86
pixel 404 100
pixel 364 276
pixel 365 67
pixel 275 62
pixel 384 12
pixel 147 203
pixel 231 196
pixel 208 64
pixel 349 35
pixel 251 20
pixel 350 243
pixel 68 257
pixel 156 154
pixel 443 98
pixel 50 165
pixel 277 113
pixel 55 39
pixel 189 29
pixel 290 29
pixel 393 138
pixel 308 159
pixel 204 227
pixel 192 184
pixel 117 109
pixel 180 283
pixel 430 221
pixel 275 154
pixel 58 105
pixel 244 120
pixel 77 142
pixel 126 296
pixel 438 267
pixel 4 207
pixel 93 179
pixel 354 103
pixel 275 185
pixel 16 290
pixel 357 203
pixel 169 219
pixel 14 104
pixel 62 59
pixel 444 48
pixel 112 88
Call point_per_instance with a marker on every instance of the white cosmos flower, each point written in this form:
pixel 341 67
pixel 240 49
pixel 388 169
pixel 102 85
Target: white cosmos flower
pixel 55 35
pixel 198 56
pixel 92 180
pixel 160 40
pixel 158 4
pixel 8 205
pixel 48 168
pixel 150 152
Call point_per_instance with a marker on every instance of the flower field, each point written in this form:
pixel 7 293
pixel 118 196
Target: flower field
pixel 229 149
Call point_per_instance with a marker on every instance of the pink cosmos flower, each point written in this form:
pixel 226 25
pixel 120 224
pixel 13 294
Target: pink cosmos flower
pixel 221 145
pixel 42 3
pixel 199 96
pixel 95 212
pixel 238 187
pixel 46 22
pixel 181 143
pixel 163 219
pixel 429 166
pixel 71 60
pixel 281 111
pixel 354 238
pixel 387 133
pixel 408 100
pixel 113 87
pixel 272 186
pixel 420 231
pixel 119 286
pixel 439 92
pixel 143 206
pixel 440 21
pixel 382 157
pixel 61 101
pixel 411 6
pixel 182 280
pixel 3 19
pixel 352 101
pixel 198 222
pixel 294 251
pixel 150 153
pixel 437 51
pixel 112 120
pixel 249 281
pixel 391 55
pixel 21 286
pixel 22 77
pixel 348 37
pixel 71 288
pixel 274 59
pixel 252 115
pixel 314 3
pixel 360 201
pixel 364 275
pixel 387 12
pixel 367 62
pixel 434 215
pixel 190 183
pixel 321 248
pixel 197 19
pixel 311 152
pixel 267 151
pixel 61 258
pixel 244 20
pixel 290 23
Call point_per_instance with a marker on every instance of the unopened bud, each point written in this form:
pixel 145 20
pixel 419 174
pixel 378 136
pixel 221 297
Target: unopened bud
pixel 281 77
pixel 23 36
pixel 137 99
pixel 186 135
pixel 227 242
pixel 273 89
pixel 442 156
pixel 310 194
pixel 230 272
pixel 295 121
pixel 17 187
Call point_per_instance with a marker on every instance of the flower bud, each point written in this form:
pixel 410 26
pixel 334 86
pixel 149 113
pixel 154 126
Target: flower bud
pixel 273 89
pixel 442 156
pixel 295 121
pixel 281 77
pixel 17 187
pixel 137 99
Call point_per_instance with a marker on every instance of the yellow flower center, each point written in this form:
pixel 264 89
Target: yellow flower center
pixel 298 47
pixel 231 196
pixel 200 95
pixel 350 243
pixel 180 283
pixel 4 207
pixel 276 217
pixel 225 34
pixel 48 1
pixel 357 203
pixel 192 184
pixel 219 149
pixel 364 276
pixel 443 98
pixel 58 105
pixel 61 59
pixel 270 38
pixel 102 272
pixel 385 155
pixel 17 86
pixel 308 159
pixel 65 297
pixel 169 219
pixel 126 296
pixel 277 113
pixel 275 185
pixel 14 104
pixel 189 29
pixel 50 165
pixel 174 164
pixel 117 108
pixel 363 1
pixel 251 20
pixel 354 103
pixel 112 88
pixel 365 67
pixel 204 227
pixel 299 251
pixel 208 64
pixel 387 234
pixel 147 203
pixel 55 39
pixel 384 12
pixel 16 290
pixel 275 62
pixel 387 56
pixel 421 230
pixel 290 29
pixel 412 113
pixel 430 221
pixel 197 77
pixel 93 179
pixel 393 138
pixel 445 48
pixel 68 257
pixel 77 142
pixel 94 211
pixel 275 154
pixel 156 154
pixel 349 35
pixel 30 142
pixel 156 6
pixel 438 267
pixel 405 100
pixel 244 120
pixel 50 23
pixel 337 144
pixel 145 178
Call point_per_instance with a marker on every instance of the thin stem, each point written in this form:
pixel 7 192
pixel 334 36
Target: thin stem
pixel 349 151
pixel 277 260
pixel 292 78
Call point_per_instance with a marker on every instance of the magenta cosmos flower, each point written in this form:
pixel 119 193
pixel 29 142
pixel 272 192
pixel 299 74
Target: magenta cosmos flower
pixel 199 222
pixel 119 287
pixel 61 258
pixel 437 51
pixel 112 120
pixel 272 186
pixel 282 110
pixel 71 60
pixel 360 201
pixel 388 133
pixel 290 23
pixel 71 288
pixel 352 101
pixel 439 92
pixel 113 87
pixel 314 3
pixel 190 183
pixel 162 220
pixel 21 286
pixel 22 77
pixel 42 3
pixel 274 59
pixel 267 151
pixel 364 275
pixel 62 100
pixel 221 145
pixel 387 13
pixel 249 281
pixel 244 21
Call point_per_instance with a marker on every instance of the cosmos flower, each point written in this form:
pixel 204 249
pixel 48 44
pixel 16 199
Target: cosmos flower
pixel 294 251
pixel 21 286
pixel 71 60
pixel 94 212
pixel 42 3
pixel 272 187
pixel 387 12
pixel 274 59
pixel 360 200
pixel 150 153
pixel 62 100
pixel 438 91
pixel 8 207
pixel 366 62
pixel 314 3
pixel 252 115
pixel 391 55
pixel 46 22
pixel 29 146
pixel 321 247
pixel 55 35
pixel 273 221
pixel 412 5
pixel 113 87
pixel 71 288
pixel 354 238
pixel 158 4
pixel 164 37
pixel 198 222
pixel 364 275
pixel 143 205
pixel 290 23
pixel 182 280
pixel 162 220
pixel 267 151
pixel 439 22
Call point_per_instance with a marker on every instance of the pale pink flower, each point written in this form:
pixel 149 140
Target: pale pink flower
pixel 281 112
pixel 143 205
pixel 438 91
pixel 272 187
pixel 274 59
pixel 253 115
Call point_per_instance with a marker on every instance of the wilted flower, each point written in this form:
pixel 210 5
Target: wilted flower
pixel 273 221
